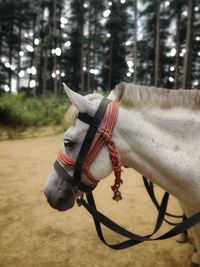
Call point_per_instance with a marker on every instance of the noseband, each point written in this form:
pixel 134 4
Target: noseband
pixel 98 135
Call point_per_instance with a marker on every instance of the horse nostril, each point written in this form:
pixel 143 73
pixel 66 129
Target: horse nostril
pixel 63 204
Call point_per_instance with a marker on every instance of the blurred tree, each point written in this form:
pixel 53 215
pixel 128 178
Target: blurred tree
pixel 157 20
pixel 8 39
pixel 157 46
pixel 195 49
pixel 187 58
pixel 176 9
pixel 135 52
pixel 84 55
pixel 74 55
pixel 93 49
pixel 115 51
pixel 15 19
pixel 148 14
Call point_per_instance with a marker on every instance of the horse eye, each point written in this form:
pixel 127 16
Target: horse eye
pixel 68 143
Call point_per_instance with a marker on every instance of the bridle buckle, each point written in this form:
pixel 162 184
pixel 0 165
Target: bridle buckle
pixel 78 195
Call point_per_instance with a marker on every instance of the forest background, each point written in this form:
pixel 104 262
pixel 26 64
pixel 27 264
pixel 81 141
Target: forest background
pixel 91 45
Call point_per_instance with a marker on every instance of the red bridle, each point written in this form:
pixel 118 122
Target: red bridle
pixel 103 137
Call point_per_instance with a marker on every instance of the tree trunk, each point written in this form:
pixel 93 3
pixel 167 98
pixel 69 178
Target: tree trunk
pixel 44 80
pixel 82 55
pixel 187 58
pixel 89 50
pixel 19 59
pixel 59 31
pixel 45 58
pixel 10 55
pixel 94 55
pixel 37 59
pixel 110 64
pixel 178 18
pixel 32 61
pixel 157 54
pixel 0 42
pixel 54 56
pixel 135 44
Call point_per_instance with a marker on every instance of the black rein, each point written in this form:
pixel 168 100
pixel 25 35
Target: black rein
pixel 132 238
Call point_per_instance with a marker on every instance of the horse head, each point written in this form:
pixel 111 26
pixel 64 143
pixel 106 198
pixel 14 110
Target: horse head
pixel 59 191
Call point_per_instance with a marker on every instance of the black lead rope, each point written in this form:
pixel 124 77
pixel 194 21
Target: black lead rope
pixel 150 190
pixel 133 238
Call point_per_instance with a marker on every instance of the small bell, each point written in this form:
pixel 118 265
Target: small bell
pixel 117 195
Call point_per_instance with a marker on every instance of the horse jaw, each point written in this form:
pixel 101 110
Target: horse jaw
pixel 80 102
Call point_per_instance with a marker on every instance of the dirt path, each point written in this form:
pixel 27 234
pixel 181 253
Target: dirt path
pixel 33 234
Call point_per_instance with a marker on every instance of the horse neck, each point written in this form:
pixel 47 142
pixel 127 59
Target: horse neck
pixel 154 143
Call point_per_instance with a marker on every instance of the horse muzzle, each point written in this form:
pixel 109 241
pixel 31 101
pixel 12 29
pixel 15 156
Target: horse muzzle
pixel 61 203
pixel 59 192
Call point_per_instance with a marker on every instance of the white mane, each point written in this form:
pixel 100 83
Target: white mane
pixel 137 95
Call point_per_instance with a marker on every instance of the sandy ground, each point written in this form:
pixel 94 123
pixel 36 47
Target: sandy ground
pixel 33 234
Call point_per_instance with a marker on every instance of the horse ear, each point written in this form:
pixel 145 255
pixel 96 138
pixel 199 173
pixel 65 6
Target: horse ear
pixel 80 102
pixel 112 96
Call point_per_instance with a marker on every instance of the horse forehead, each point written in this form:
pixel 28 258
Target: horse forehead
pixel 76 129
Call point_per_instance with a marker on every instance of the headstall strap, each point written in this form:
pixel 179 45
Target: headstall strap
pixel 107 112
pixel 104 137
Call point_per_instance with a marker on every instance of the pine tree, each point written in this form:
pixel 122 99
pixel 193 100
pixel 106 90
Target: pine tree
pixel 156 30
pixel 149 30
pixel 195 49
pixel 135 52
pixel 176 9
pixel 157 46
pixel 93 48
pixel 14 18
pixel 115 50
pixel 74 55
pixel 187 58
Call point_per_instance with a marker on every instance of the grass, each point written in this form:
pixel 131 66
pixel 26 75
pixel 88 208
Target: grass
pixel 20 114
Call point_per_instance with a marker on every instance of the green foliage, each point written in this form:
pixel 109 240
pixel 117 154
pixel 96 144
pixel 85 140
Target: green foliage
pixel 19 112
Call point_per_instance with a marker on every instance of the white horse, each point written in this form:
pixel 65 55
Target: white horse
pixel 156 133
